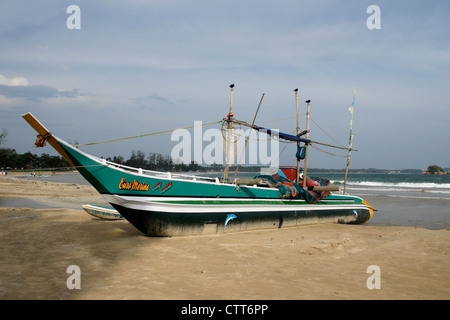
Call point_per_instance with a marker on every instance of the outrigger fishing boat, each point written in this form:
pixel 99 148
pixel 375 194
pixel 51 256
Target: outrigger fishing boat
pixel 173 204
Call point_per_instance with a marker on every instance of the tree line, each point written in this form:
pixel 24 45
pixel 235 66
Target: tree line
pixel 158 162
pixel 11 160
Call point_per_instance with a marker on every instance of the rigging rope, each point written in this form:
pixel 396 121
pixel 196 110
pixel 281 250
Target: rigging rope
pixel 331 154
pixel 326 133
pixel 337 142
pixel 213 123
pixel 145 135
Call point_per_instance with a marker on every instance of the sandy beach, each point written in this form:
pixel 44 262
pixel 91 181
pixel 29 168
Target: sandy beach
pixel 327 261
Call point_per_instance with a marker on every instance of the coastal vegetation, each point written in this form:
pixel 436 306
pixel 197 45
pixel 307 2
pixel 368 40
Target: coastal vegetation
pixel 11 160
pixel 435 169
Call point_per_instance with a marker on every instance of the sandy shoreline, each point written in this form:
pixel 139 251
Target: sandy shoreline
pixel 326 261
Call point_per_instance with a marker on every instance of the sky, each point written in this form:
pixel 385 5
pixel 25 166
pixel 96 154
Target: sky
pixel 136 67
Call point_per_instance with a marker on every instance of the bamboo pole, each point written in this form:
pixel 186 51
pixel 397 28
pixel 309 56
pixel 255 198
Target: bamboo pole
pixel 350 142
pixel 298 133
pixel 228 135
pixel 346 170
pixel 307 137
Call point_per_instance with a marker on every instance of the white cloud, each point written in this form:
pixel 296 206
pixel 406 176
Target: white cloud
pixel 21 88
pixel 13 82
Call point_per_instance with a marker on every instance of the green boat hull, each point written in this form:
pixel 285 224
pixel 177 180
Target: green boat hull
pixel 198 201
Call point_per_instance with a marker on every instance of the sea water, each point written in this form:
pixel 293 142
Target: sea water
pixel 400 199
pixel 404 199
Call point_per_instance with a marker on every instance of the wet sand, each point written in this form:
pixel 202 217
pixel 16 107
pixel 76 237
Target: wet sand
pixel 327 261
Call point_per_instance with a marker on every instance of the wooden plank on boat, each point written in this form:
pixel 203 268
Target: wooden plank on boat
pixel 326 188
pixel 249 182
pixel 103 212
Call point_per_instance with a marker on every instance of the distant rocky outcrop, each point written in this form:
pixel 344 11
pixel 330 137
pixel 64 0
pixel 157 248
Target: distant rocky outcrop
pixel 435 169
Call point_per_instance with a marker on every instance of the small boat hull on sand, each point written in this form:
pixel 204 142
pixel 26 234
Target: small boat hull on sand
pixel 103 212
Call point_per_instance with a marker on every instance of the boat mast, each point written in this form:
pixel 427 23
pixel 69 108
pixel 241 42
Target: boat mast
pixel 350 141
pixel 228 135
pixel 298 134
pixel 307 137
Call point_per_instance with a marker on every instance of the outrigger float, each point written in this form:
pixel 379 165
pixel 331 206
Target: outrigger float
pixel 173 204
pixel 102 212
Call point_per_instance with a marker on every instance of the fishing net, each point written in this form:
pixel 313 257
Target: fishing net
pixel 291 190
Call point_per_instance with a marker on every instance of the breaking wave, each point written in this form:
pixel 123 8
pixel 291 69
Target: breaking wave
pixel 397 185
